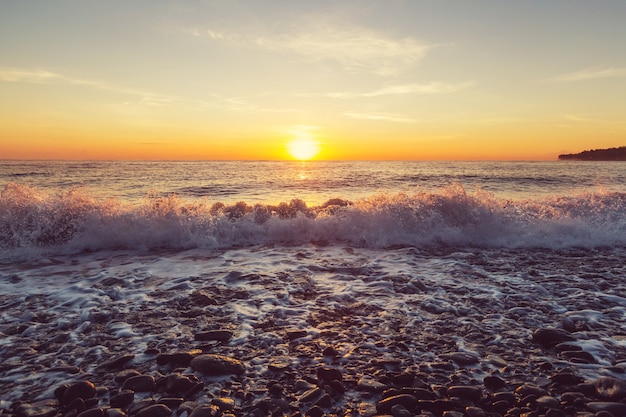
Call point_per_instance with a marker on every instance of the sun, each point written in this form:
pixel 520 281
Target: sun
pixel 303 147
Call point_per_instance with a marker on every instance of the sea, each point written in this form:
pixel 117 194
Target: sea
pixel 75 206
pixel 506 247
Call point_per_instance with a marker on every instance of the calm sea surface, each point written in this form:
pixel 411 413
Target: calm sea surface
pixel 313 182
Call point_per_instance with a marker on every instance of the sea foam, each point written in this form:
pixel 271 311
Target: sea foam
pixel 76 221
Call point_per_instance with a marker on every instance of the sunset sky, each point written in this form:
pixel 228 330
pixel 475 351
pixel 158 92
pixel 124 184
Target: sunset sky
pixel 364 79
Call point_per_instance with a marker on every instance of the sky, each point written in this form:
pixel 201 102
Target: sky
pixel 361 79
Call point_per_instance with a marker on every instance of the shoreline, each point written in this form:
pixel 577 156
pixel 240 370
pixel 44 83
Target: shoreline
pixel 318 330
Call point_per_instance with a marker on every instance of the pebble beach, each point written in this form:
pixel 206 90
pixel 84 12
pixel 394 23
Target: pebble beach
pixel 316 330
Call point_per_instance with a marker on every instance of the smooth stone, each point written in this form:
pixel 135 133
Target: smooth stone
pixel 92 412
pixel 471 411
pixel 140 383
pixel 330 351
pixel 178 358
pixel 467 392
pixel 462 358
pixel 525 390
pixel 610 388
pixel 118 362
pixel 279 364
pixel 408 401
pixel 547 401
pixel 399 410
pixel 178 384
pixel 366 409
pixel 578 355
pixel 81 389
pixel 315 411
pixel 618 409
pixel 211 364
pixel 370 385
pixel 296 334
pixel 452 413
pixel 217 335
pixel 494 382
pixel 566 378
pixel 114 412
pixel 549 337
pixel 123 375
pixel 555 412
pixel 135 407
pixel 324 402
pixel 203 411
pixel 508 397
pixel 171 402
pixel 43 409
pixel 423 394
pixel 155 410
pixel 122 399
pixel 187 406
pixel 224 403
pixel 310 395
pixel 328 373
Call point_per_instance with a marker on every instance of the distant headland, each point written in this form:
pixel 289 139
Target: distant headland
pixel 610 154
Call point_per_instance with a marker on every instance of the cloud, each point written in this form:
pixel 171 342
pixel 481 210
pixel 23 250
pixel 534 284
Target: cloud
pixel 354 48
pixel 16 75
pixel 387 117
pixel 429 88
pixel 593 73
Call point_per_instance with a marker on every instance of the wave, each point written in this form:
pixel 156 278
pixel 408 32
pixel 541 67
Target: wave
pixel 76 221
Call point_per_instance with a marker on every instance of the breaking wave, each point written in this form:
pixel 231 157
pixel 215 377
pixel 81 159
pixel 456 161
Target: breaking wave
pixel 75 221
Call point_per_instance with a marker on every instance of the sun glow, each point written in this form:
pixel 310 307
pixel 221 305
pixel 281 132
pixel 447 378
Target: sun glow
pixel 303 147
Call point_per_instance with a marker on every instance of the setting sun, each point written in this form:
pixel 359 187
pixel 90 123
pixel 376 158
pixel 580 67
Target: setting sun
pixel 303 147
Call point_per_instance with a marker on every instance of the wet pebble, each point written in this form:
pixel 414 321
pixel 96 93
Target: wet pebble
pixel 139 383
pixel 155 410
pixel 211 364
pixel 406 400
pixel 470 393
pixel 550 337
pixel 216 335
pixel 41 409
pixel 610 388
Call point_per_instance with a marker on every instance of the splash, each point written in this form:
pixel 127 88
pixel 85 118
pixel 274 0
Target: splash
pixel 75 221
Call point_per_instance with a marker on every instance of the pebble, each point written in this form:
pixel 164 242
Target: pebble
pixel 616 408
pixel 122 399
pixel 211 364
pixel 610 388
pixel 408 401
pixel 470 393
pixel 203 411
pixel 399 410
pixel 139 383
pixel 549 337
pixel 155 410
pixel 370 385
pixel 216 335
pixel 81 389
pixel 328 373
pixel 43 409
pixel 462 358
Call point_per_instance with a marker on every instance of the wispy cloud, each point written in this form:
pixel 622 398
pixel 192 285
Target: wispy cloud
pixel 386 117
pixel 42 76
pixel 593 73
pixel 354 48
pixel 399 89
pixel 140 97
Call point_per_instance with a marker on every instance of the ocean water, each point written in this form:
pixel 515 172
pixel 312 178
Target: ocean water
pixel 447 257
pixel 79 206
